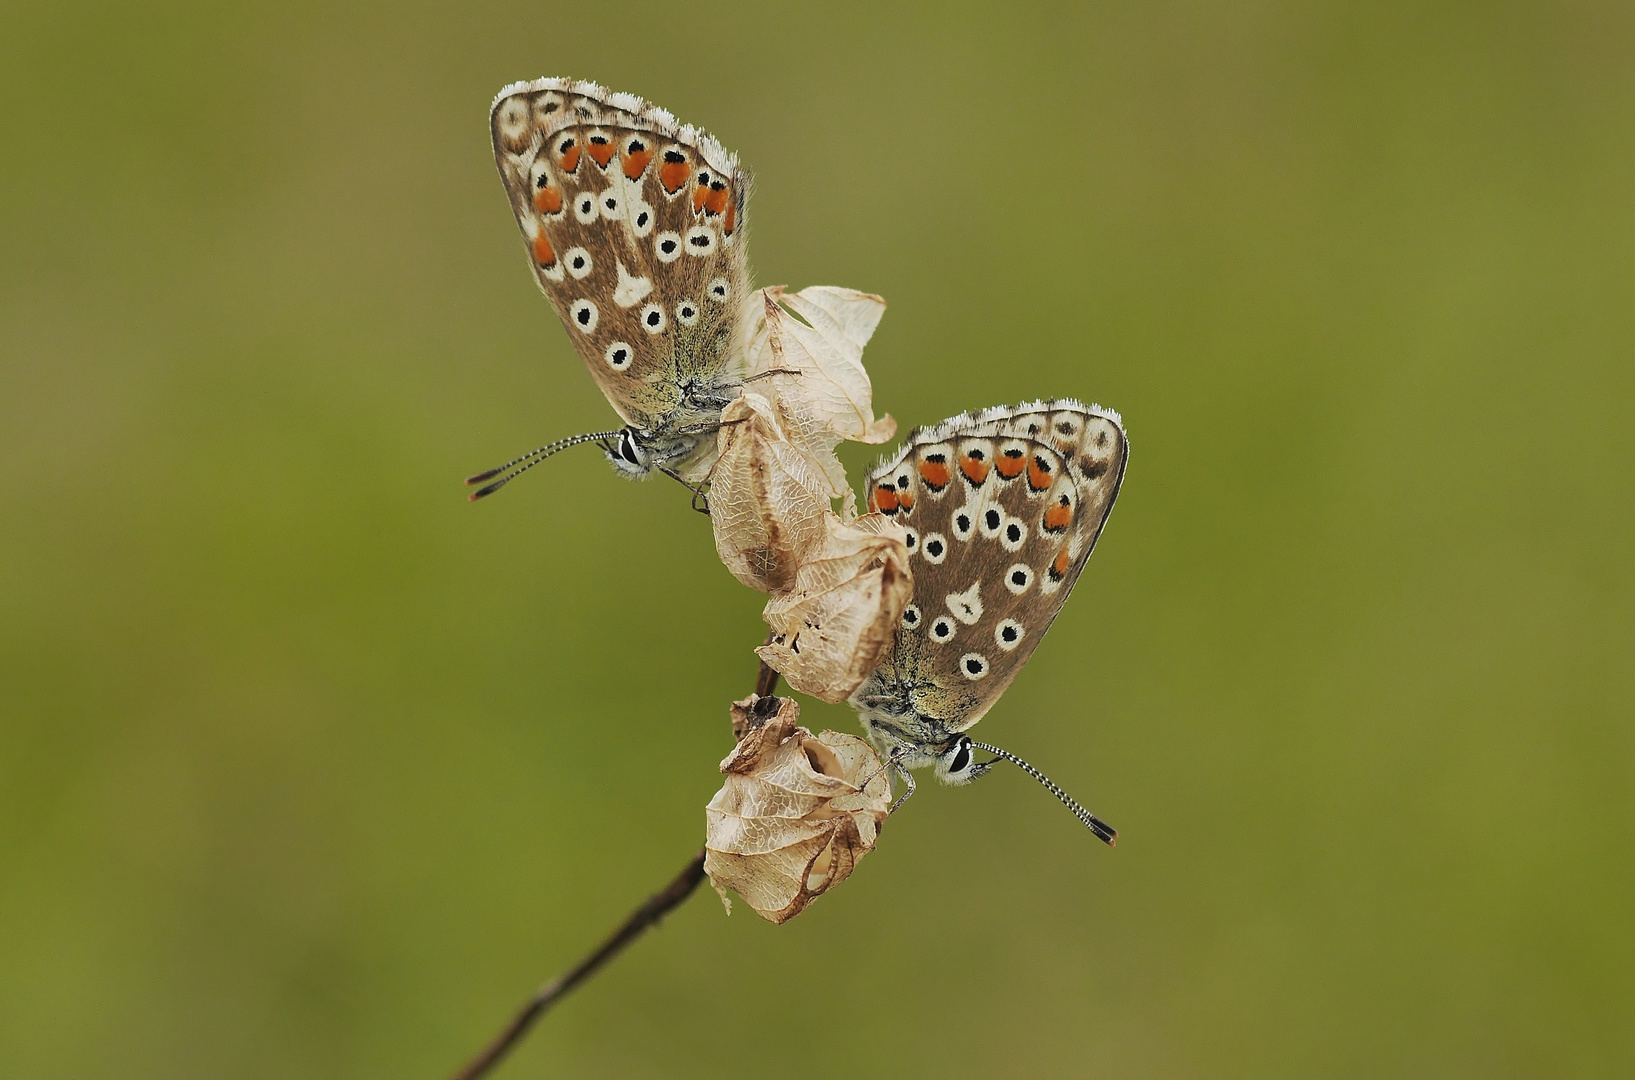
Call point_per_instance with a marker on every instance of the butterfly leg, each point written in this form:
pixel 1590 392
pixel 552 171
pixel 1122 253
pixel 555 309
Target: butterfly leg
pixel 769 373
pixel 908 783
pixel 697 489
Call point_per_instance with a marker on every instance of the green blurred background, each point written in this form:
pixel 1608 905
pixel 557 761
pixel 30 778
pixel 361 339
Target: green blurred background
pixel 309 768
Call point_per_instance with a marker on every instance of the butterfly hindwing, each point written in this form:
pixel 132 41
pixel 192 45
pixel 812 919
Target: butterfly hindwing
pixel 635 229
pixel 1003 509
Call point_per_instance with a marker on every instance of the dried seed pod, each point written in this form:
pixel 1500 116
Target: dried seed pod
pixel 807 349
pixel 795 814
pixel 766 505
pixel 837 620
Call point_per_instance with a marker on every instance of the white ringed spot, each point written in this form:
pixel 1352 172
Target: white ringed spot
pixel 1014 534
pixel 652 319
pixel 1018 578
pixel 934 547
pixel 583 315
pixel 700 240
pixel 1008 634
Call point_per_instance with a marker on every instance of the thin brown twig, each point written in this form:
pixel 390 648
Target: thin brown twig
pixel 644 918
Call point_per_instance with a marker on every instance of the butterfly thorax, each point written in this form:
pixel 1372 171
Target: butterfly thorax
pixel 683 441
pixel 901 733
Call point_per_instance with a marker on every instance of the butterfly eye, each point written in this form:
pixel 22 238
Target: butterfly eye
pixel 627 447
pixel 956 761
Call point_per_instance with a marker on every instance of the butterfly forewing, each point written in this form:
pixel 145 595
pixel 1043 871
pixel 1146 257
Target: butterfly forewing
pixel 635 229
pixel 1003 509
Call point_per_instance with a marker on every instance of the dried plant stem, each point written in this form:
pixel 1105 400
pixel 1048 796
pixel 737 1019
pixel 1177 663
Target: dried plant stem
pixel 645 917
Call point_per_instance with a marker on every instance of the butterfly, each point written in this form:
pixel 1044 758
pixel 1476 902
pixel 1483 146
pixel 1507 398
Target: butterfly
pixel 1002 508
pixel 634 224
pixel 635 228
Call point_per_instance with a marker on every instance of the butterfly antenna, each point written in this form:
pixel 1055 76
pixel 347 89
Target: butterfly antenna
pixel 1104 831
pixel 514 469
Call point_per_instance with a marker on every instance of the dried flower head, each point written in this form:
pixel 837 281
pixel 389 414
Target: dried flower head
pixel 837 588
pixel 795 814
pixel 766 500
pixel 806 348
pixel 835 623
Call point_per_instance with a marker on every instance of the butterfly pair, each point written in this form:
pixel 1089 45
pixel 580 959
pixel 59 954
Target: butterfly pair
pixel 635 229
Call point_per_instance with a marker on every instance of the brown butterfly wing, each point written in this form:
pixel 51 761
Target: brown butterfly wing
pixel 635 230
pixel 1001 525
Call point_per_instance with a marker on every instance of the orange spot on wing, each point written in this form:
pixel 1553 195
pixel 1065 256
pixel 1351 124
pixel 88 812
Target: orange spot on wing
pixel 1011 463
pixel 636 162
pixel 543 255
pixel 975 470
pixel 548 200
pixel 700 194
pixel 601 152
pixel 884 499
pixel 936 474
pixel 1058 517
pixel 1038 473
pixel 732 218
pixel 716 202
pixel 570 158
pixel 1058 569
pixel 906 499
pixel 672 174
